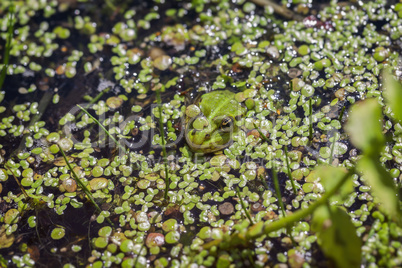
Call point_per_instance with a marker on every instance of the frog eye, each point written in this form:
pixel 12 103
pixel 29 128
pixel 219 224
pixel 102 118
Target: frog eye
pixel 227 123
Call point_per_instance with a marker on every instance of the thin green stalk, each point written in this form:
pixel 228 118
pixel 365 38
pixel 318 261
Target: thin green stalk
pixel 279 9
pixel 261 228
pixel 290 173
pixel 103 128
pixel 278 191
pixel 261 134
pixel 19 184
pixel 341 114
pixel 110 4
pixel 82 185
pixel 167 180
pixel 243 205
pixel 264 182
pixel 97 97
pixel 10 32
pixel 301 214
pixel 310 129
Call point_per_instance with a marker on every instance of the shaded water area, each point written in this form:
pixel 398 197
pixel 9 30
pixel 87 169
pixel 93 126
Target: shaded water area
pixel 286 189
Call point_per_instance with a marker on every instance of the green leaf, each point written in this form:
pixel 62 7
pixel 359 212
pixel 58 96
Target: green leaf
pixel 393 94
pixel 381 184
pixel 365 126
pixel 337 236
pixel 330 177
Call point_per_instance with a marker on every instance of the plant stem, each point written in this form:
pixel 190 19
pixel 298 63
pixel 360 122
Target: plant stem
pixel 280 10
pixel 333 148
pixel 81 184
pixel 103 128
pixel 97 97
pixel 300 214
pixel 277 190
pixel 259 229
pixel 167 181
pixel 290 173
pixel 243 205
pixel 19 184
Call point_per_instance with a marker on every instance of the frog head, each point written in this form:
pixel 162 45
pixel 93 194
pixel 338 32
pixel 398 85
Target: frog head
pixel 211 123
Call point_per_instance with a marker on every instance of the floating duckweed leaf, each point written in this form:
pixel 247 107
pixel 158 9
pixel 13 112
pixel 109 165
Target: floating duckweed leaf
pixel 32 221
pixel 224 261
pixel 239 97
pixel 101 242
pixel 97 171
pixel 127 245
pixel 169 225
pixel 69 185
pixel 66 144
pixel 162 62
pixel 143 184
pixel 249 93
pixel 114 102
pixel 53 137
pixel 11 216
pixel 172 237
pixel 155 239
pixel 380 54
pixel 226 208
pixel 152 177
pixel 304 50
pixel 218 160
pixel 136 108
pixel 105 231
pixel 192 111
pixel 98 183
pixel 3 174
pixel 5 240
pixel 58 233
pixel 76 248
pixel 60 162
pixel 205 232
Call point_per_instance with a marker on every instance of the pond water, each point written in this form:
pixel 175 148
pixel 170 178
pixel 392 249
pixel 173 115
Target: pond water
pixel 101 99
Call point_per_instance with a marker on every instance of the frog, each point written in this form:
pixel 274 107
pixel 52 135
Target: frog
pixel 212 121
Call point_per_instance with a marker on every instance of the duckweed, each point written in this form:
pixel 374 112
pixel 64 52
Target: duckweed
pixel 275 67
pixel 58 233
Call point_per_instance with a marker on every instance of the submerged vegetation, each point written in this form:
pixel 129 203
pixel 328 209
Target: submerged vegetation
pixel 206 133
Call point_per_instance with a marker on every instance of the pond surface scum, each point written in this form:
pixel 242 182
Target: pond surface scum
pixel 203 133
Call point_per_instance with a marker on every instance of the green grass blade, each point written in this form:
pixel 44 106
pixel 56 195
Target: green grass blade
pixel 290 173
pixel 82 185
pixel 278 191
pixel 243 205
pixel 103 128
pixel 167 180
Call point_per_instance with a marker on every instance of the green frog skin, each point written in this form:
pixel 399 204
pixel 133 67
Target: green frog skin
pixel 211 123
